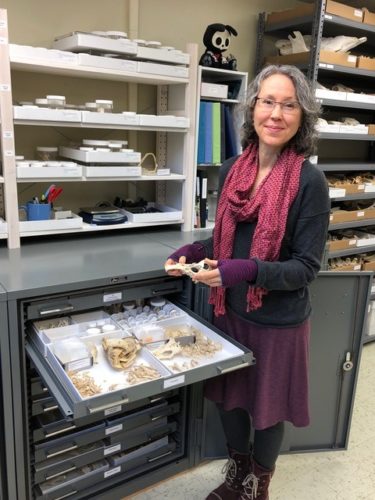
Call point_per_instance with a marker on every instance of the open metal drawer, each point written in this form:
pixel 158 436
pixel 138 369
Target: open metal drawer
pixel 231 356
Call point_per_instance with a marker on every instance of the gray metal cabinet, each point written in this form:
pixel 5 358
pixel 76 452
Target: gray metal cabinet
pixel 58 436
pixel 338 325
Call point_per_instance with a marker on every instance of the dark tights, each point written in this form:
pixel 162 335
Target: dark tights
pixel 267 442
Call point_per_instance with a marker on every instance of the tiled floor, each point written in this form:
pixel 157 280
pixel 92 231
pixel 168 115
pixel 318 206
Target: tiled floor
pixel 340 475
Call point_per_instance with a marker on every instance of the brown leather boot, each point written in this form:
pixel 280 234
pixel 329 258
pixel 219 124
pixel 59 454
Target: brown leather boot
pixel 235 470
pixel 255 485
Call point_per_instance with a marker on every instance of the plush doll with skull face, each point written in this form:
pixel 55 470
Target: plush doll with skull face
pixel 217 39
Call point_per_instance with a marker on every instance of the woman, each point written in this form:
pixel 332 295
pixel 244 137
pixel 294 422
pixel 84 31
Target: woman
pixel 270 230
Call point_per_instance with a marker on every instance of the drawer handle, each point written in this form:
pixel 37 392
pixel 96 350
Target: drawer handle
pixel 57 310
pixel 50 455
pixel 67 495
pixel 159 456
pixel 50 408
pixel 165 290
pixel 62 472
pixel 109 405
pixel 66 429
pixel 232 368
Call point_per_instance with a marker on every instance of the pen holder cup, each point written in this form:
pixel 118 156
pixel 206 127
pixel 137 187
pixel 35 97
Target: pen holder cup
pixel 37 211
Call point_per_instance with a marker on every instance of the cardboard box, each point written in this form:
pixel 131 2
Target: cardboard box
pixel 371 129
pixel 368 17
pixel 366 63
pixel 347 216
pixel 214 90
pixel 368 266
pixel 349 267
pixel 352 188
pixel 342 10
pixel 290 14
pixel 343 244
pixel 325 57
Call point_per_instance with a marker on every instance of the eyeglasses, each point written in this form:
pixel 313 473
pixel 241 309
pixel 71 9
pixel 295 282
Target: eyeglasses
pixel 288 107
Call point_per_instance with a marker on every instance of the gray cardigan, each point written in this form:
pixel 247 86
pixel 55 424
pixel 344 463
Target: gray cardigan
pixel 287 280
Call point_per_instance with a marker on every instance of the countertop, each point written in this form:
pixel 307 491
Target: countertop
pixel 73 263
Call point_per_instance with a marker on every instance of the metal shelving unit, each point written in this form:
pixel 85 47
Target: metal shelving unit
pixel 318 23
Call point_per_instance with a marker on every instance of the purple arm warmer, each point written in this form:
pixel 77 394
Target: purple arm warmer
pixel 233 271
pixel 193 253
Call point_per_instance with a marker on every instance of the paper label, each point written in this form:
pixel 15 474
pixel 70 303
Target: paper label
pixel 115 428
pixel 174 381
pixel 358 13
pixel 112 472
pixel 352 58
pixel 361 213
pixel 112 449
pixel 329 66
pixel 80 364
pixel 3 40
pixel 112 297
pixel 5 87
pixel 9 153
pixel 113 410
pixel 352 242
pixel 327 16
pixel 322 65
pixel 8 134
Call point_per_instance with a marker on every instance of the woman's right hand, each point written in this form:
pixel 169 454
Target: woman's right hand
pixel 175 272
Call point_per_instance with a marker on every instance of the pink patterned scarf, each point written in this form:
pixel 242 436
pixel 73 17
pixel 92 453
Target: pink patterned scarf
pixel 269 206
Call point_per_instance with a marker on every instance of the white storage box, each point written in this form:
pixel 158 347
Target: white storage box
pixel 112 171
pixel 162 69
pixel 107 63
pixel 29 226
pixel 17 52
pixel 110 118
pixel 164 121
pixel 214 90
pixel 331 128
pixel 169 56
pixel 46 114
pixel 166 214
pixel 100 156
pixel 62 172
pixel 81 42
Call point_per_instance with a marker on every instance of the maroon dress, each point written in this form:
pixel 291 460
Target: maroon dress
pixel 275 388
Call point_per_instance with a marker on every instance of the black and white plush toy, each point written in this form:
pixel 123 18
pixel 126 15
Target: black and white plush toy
pixel 216 39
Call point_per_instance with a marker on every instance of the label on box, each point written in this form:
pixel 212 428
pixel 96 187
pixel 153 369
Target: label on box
pixel 358 13
pixel 112 449
pixel 112 472
pixel 360 214
pixel 352 242
pixel 174 381
pixel 113 410
pixel 112 430
pixel 80 364
pixel 111 297
pixel 357 267
pixel 328 17
pixel 352 59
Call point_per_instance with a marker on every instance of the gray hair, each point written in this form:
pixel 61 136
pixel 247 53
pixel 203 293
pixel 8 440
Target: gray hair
pixel 305 139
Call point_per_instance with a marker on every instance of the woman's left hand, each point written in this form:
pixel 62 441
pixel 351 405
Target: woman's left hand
pixel 210 278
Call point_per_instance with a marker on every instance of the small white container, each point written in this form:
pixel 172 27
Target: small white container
pixel 44 153
pixel 42 102
pixel 108 328
pixel 93 331
pixel 56 101
pixel 104 106
pixel 91 106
